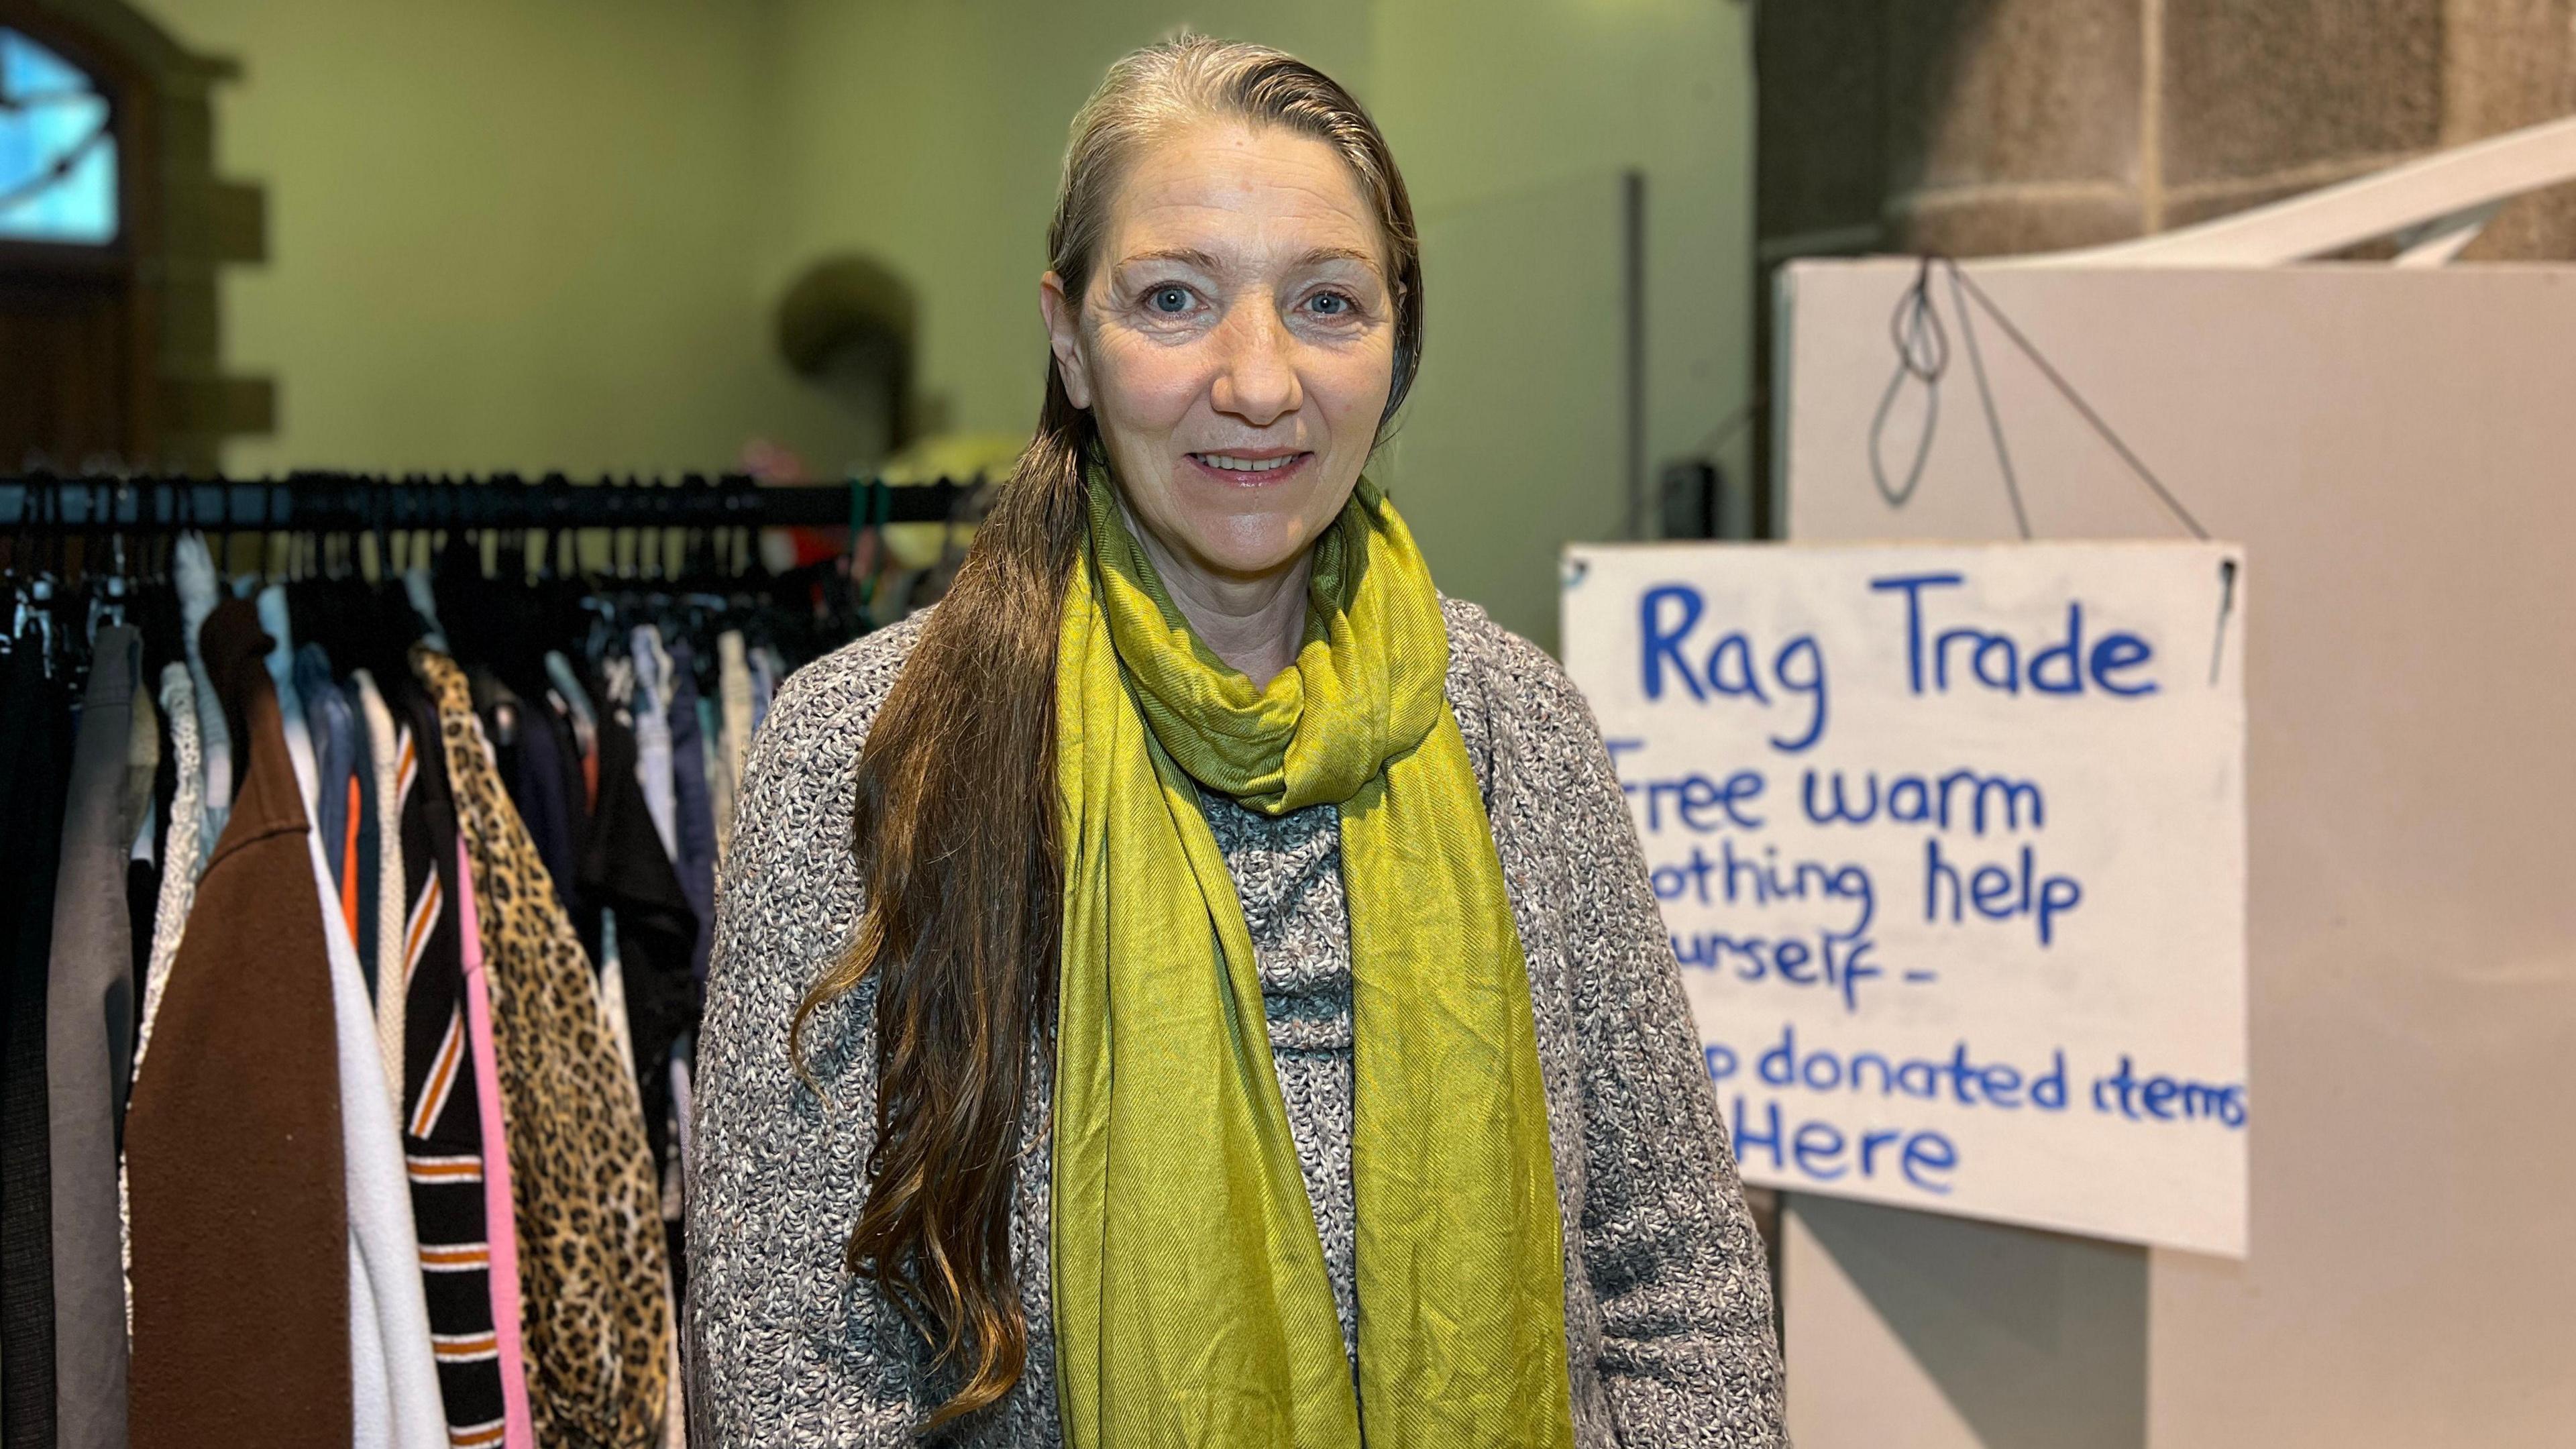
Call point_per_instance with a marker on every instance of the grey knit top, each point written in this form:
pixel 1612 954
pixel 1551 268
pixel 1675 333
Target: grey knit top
pixel 1667 1301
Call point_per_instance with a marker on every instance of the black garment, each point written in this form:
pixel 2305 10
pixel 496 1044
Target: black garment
pixel 142 907
pixel 442 1119
pixel 524 750
pixel 624 870
pixel 36 732
pixel 695 805
pixel 555 718
pixel 554 820
pixel 89 1046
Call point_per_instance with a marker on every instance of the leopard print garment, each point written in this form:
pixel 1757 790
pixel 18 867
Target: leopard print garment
pixel 593 1276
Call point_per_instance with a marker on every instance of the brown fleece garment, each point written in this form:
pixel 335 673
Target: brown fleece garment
pixel 241 1236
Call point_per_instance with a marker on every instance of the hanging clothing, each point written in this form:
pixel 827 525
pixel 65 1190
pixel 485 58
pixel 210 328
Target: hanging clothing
pixel 391 901
pixel 444 1103
pixel 653 757
pixel 394 1383
pixel 424 602
pixel 181 851
pixel 733 684
pixel 570 785
pixel 36 739
pixel 587 1209
pixel 585 722
pixel 766 671
pixel 332 727
pixel 362 866
pixel 142 895
pixel 193 571
pixel 150 786
pixel 274 619
pixel 612 996
pixel 624 869
pixel 552 808
pixel 526 755
pixel 257 1138
pixel 695 809
pixel 675 1206
pixel 180 844
pixel 143 777
pixel 719 784
pixel 499 1189
pixel 233 1141
pixel 89 1038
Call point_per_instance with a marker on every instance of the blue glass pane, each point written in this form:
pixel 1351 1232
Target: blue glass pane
pixel 57 159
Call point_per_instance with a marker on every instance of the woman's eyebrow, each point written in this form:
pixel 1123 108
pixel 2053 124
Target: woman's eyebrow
pixel 1186 256
pixel 1202 261
pixel 1338 254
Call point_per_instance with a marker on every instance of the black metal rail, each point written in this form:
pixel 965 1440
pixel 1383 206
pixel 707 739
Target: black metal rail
pixel 364 503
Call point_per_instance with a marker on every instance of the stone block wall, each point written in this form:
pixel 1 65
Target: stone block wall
pixel 1988 126
pixel 189 224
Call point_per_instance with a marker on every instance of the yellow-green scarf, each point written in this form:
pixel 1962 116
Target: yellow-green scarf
pixel 1191 1303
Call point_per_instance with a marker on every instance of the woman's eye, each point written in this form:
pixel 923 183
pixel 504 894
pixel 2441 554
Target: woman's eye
pixel 1332 304
pixel 1168 299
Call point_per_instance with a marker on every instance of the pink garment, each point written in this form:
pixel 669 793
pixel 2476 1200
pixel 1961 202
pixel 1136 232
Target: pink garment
pixel 500 1215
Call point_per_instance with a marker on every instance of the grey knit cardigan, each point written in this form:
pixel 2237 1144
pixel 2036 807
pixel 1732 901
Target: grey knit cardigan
pixel 1667 1299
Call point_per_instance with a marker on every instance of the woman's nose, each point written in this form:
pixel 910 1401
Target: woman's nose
pixel 1256 377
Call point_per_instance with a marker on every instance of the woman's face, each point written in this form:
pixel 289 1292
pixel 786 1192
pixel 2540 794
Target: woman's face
pixel 1235 344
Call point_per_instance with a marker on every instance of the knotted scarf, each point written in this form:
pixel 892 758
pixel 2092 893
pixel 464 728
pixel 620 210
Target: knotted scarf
pixel 1191 1302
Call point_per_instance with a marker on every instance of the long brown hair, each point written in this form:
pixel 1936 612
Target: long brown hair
pixel 956 815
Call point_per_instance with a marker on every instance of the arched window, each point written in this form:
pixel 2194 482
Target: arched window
pixel 57 149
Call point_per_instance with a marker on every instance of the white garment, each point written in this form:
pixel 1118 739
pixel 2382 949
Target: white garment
pixel 185 848
pixel 170 908
pixel 193 568
pixel 653 738
pixel 393 1368
pixel 733 685
pixel 393 961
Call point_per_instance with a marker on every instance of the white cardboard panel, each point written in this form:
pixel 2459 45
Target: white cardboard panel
pixel 1951 845
pixel 2397 454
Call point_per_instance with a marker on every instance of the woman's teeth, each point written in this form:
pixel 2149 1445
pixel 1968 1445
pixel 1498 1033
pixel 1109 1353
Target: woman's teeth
pixel 1246 465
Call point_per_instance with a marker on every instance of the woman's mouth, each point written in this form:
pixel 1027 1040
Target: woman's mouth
pixel 1251 470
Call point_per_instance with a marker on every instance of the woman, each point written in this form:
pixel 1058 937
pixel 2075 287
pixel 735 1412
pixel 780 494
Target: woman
pixel 1196 986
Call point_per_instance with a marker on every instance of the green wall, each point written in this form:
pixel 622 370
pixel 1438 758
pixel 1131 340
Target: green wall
pixel 534 236
pixel 1510 98
pixel 932 135
pixel 501 234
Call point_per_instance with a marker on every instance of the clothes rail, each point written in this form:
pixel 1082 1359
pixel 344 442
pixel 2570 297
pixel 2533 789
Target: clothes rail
pixel 354 503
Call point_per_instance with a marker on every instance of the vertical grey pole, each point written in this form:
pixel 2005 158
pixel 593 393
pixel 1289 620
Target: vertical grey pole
pixel 1632 196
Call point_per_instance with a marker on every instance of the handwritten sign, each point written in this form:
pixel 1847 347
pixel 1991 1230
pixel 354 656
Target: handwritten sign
pixel 1950 842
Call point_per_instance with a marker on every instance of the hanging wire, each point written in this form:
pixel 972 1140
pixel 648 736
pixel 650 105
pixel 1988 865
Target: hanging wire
pixel 1986 399
pixel 1922 354
pixel 2067 390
